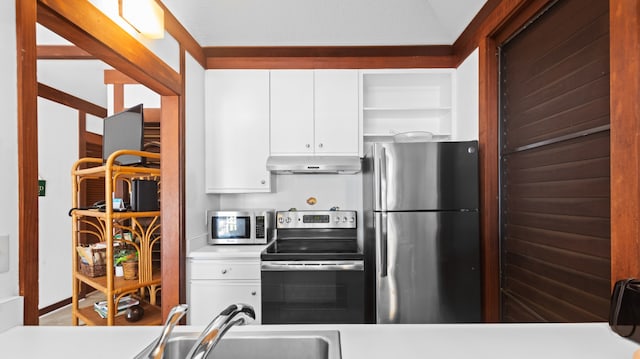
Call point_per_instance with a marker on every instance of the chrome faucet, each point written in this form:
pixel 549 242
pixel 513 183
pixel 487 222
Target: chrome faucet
pixel 234 314
pixel 176 313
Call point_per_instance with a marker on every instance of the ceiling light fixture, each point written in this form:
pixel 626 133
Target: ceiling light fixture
pixel 146 16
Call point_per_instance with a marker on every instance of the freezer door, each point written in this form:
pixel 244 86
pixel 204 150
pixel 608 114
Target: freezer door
pixel 425 176
pixel 428 267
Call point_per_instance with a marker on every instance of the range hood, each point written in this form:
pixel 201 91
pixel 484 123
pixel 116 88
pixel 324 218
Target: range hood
pixel 314 164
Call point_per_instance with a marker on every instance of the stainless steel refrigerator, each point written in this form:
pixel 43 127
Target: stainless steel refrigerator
pixel 422 232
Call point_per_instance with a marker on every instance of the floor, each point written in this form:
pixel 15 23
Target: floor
pixel 62 316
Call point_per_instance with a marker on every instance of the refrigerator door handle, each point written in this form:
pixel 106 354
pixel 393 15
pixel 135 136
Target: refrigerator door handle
pixel 382 237
pixel 383 179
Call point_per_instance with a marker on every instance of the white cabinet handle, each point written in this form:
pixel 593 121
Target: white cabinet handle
pixel 253 293
pixel 224 271
pixel 307 145
pixel 263 182
pixel 320 145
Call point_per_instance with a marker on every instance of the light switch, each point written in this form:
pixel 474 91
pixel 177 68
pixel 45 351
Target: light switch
pixel 4 253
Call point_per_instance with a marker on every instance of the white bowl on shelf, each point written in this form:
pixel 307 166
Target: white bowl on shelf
pixel 413 136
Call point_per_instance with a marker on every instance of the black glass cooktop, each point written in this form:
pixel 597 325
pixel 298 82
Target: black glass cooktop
pixel 318 246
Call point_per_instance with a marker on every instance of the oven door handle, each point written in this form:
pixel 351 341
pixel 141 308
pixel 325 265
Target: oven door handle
pixel 281 266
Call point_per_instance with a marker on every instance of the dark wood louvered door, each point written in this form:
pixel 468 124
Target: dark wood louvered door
pixel 91 190
pixel 94 190
pixel 555 217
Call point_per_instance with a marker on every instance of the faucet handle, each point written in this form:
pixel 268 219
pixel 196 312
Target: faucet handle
pixel 173 318
pixel 239 308
pixel 179 310
pixel 235 314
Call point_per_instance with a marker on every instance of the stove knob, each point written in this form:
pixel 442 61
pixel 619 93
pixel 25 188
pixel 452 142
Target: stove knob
pixel 288 220
pixel 344 219
pixel 280 219
pixel 337 219
pixel 351 220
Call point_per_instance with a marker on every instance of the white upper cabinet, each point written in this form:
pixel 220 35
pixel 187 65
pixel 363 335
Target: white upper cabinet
pixel 237 131
pixel 291 112
pixel 336 112
pixel 314 112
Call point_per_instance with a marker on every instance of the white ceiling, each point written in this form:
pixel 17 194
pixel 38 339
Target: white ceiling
pixel 324 22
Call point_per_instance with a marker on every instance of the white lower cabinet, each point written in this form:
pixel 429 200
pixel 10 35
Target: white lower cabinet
pixel 216 284
pixel 209 298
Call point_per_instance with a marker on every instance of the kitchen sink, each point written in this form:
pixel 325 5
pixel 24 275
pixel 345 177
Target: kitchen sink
pixel 303 344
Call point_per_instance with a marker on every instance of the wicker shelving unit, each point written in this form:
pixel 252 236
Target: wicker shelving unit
pixel 104 226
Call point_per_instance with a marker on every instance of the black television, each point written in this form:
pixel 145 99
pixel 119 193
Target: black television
pixel 124 131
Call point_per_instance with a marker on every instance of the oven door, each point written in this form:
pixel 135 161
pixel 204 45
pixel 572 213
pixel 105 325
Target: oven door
pixel 312 292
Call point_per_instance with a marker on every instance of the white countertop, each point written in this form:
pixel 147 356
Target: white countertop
pixel 228 251
pixel 450 341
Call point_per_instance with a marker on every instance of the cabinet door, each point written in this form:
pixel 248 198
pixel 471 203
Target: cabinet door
pixel 237 131
pixel 336 112
pixel 291 112
pixel 210 297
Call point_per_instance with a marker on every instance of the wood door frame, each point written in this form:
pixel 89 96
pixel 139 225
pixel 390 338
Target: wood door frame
pixel 27 92
pixel 624 62
pixel 87 27
pixel 504 20
pixel 496 22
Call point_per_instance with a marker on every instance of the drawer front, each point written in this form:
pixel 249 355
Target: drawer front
pixel 206 269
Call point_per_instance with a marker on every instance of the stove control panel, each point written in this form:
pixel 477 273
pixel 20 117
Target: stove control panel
pixel 316 219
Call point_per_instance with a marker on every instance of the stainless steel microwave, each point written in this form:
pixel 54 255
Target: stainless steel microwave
pixel 245 226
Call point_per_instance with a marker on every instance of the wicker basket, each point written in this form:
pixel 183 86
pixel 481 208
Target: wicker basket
pixel 98 256
pixel 96 270
pixel 130 270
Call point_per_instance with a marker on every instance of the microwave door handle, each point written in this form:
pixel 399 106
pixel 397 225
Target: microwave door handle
pixel 252 227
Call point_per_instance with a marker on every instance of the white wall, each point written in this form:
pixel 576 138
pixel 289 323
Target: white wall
pixel 9 164
pixel 330 190
pixel 135 94
pixel 467 99
pixel 197 202
pixel 57 151
pixel 80 78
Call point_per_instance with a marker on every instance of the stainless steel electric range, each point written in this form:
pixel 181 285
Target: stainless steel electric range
pixel 313 272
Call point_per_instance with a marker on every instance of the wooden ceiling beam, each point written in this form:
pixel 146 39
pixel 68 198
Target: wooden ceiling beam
pixel 327 51
pixel 336 57
pixel 87 27
pixel 66 99
pixel 330 62
pixel 63 52
pixel 112 77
